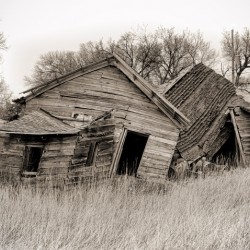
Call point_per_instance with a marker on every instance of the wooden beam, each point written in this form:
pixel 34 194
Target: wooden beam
pixel 118 152
pixel 166 107
pixel 238 137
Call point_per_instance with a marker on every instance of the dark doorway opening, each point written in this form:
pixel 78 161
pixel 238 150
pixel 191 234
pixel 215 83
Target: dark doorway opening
pixel 32 158
pixel 131 155
pixel 228 153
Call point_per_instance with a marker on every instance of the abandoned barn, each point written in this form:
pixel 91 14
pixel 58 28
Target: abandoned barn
pixel 105 119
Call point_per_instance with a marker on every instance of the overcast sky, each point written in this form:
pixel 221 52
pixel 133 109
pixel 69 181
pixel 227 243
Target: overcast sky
pixel 34 27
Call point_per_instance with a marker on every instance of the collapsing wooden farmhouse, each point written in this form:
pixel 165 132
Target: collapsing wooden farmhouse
pixel 100 120
pixel 104 119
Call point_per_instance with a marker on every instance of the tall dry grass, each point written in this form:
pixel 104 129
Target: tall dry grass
pixel 211 213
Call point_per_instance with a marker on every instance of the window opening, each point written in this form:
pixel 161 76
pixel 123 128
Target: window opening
pixel 92 152
pixel 32 158
pixel 132 152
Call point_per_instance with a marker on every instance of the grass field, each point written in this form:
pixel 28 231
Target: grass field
pixel 211 213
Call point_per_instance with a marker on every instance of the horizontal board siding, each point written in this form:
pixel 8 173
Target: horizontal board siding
pixel 54 161
pixel 11 157
pixel 99 92
pixel 102 133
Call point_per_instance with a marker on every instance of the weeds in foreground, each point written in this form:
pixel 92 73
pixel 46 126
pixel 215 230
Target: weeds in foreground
pixel 211 213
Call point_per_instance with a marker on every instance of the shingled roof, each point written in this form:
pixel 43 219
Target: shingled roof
pixel 201 95
pixel 38 123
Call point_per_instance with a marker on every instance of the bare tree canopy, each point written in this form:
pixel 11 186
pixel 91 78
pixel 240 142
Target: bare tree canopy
pixel 91 52
pixel 5 93
pixel 52 65
pixel 164 54
pixel 3 45
pixel 180 51
pixel 5 99
pixel 239 48
pixel 157 56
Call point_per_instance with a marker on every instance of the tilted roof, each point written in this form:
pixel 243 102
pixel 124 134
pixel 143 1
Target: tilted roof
pixel 201 95
pixel 163 104
pixel 38 123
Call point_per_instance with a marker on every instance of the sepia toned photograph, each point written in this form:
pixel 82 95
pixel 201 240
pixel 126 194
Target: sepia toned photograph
pixel 124 125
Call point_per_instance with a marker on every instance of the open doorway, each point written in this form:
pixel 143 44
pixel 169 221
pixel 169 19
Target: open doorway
pixel 228 153
pixel 132 152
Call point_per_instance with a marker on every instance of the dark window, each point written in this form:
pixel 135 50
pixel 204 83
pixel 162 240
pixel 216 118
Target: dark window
pixel 92 152
pixel 32 158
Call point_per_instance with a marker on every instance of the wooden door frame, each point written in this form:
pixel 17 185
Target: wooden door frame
pixel 119 149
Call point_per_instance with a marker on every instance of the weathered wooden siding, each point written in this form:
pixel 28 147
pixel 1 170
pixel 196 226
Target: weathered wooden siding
pixel 55 160
pixel 161 142
pixel 11 157
pixel 101 133
pixel 106 89
pixel 243 123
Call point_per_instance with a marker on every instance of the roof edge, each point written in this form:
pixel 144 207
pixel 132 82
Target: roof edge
pixel 166 107
pixel 37 90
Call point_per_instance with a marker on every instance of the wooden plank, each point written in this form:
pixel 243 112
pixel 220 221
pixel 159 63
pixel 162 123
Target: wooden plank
pixel 152 122
pixel 156 152
pixel 163 140
pixel 146 175
pixel 154 130
pixel 155 161
pixel 166 152
pixel 238 138
pixel 152 155
pixel 147 169
pixel 159 167
pixel 104 88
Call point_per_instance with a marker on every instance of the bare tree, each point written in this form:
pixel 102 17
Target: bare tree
pixel 141 51
pixel 5 98
pixel 55 64
pixel 241 50
pixel 5 93
pixel 91 52
pixel 180 51
pixel 52 65
pixel 157 56
pixel 199 50
pixel 3 45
